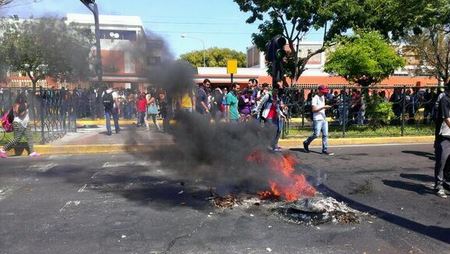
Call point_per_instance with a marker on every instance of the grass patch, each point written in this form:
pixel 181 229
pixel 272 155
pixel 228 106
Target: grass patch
pixel 9 136
pixel 366 131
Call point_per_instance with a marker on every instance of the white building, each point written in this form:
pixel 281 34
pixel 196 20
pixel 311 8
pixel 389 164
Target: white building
pixel 117 36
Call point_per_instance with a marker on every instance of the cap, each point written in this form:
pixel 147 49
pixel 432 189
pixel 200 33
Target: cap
pixel 323 89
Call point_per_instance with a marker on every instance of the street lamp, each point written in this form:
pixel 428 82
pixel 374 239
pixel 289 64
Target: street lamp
pixel 203 43
pixel 92 6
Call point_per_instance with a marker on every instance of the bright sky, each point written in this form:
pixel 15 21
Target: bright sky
pixel 216 23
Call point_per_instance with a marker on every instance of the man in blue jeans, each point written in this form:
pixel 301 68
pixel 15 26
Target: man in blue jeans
pixel 320 123
pixel 111 109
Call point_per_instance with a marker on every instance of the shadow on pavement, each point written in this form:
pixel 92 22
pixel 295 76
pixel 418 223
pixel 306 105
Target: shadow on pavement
pixel 303 150
pixel 438 233
pixel 422 154
pixel 414 187
pixel 418 177
pixel 135 184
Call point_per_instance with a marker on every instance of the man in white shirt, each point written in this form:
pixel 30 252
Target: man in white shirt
pixel 320 123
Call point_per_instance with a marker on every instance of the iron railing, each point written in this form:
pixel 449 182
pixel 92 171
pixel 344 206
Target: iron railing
pixel 53 112
pixel 413 108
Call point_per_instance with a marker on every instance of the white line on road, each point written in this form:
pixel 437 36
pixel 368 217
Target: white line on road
pixel 69 203
pixel 42 167
pixel 82 188
pixel 95 174
pixel 131 163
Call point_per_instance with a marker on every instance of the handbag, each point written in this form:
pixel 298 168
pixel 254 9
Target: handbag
pixel 7 120
pixel 152 109
pixel 445 130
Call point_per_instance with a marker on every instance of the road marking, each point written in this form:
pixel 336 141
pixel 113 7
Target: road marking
pixel 69 203
pixel 82 188
pixel 3 193
pixel 58 156
pixel 131 163
pixel 95 174
pixel 42 167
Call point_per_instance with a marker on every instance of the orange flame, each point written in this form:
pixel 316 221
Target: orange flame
pixel 286 184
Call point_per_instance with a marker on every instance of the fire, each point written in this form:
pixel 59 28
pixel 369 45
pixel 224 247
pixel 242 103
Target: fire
pixel 286 183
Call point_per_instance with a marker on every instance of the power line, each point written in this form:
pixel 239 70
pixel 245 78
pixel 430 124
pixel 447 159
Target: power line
pixel 188 23
pixel 14 4
pixel 197 32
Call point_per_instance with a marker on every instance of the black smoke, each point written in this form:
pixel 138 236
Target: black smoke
pixel 213 152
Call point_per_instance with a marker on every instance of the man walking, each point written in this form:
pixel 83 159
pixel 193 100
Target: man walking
pixel 442 143
pixel 201 103
pixel 232 103
pixel 111 109
pixel 320 123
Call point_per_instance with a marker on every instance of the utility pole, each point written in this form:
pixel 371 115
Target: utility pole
pixel 92 6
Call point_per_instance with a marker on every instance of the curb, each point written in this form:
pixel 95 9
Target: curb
pixel 93 149
pixel 285 143
pixel 298 143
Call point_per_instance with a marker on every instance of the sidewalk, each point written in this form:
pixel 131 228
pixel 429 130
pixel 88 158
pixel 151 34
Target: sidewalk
pixel 132 122
pixel 94 140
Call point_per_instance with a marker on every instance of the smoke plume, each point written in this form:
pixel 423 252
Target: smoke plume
pixel 213 152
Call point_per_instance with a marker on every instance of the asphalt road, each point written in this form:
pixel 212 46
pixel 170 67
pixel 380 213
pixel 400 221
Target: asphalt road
pixel 130 204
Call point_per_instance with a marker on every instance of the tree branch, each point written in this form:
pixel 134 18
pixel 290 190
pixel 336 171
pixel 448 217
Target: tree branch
pixel 434 43
pixel 294 23
pixel 5 2
pixel 282 22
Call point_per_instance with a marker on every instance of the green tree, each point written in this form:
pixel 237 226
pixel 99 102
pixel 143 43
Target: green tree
pixel 393 18
pixel 365 58
pixel 46 47
pixel 214 57
pixel 423 24
pixel 430 39
pixel 432 46
pixel 295 19
pixel 378 111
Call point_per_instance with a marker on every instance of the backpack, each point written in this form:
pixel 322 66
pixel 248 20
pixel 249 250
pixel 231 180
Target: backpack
pixel 265 105
pixel 108 101
pixel 7 120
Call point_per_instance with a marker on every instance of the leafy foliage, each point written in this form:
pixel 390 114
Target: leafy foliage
pixel 364 58
pixel 379 111
pixel 295 19
pixel 214 57
pixel 423 24
pixel 46 47
pixel 432 47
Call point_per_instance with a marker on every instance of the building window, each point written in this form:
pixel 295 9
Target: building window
pixel 118 35
pixel 154 60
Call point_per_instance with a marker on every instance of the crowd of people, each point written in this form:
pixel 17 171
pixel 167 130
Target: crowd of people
pixel 351 105
pixel 257 102
pixel 260 103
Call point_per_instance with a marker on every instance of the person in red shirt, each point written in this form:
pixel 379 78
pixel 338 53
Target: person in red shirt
pixel 141 108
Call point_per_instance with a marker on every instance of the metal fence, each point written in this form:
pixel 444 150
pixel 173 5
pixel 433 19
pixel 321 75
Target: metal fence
pixel 413 109
pixel 53 112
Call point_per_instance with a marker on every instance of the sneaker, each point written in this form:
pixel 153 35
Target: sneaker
pixel 277 149
pixel 441 193
pixel 327 153
pixel 306 147
pixel 34 154
pixel 3 154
